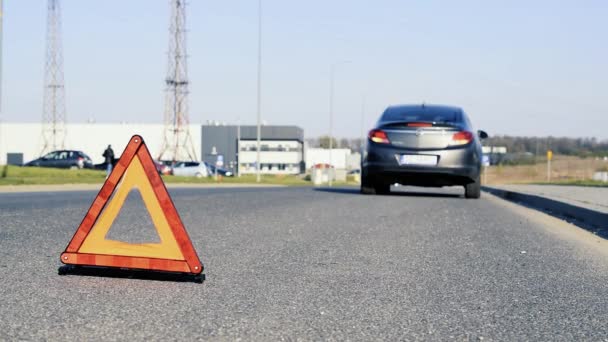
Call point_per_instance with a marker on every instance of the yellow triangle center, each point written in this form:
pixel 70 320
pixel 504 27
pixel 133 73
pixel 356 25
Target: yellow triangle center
pixel 96 242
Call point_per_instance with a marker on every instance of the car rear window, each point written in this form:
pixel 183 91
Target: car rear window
pixel 405 115
pixel 83 155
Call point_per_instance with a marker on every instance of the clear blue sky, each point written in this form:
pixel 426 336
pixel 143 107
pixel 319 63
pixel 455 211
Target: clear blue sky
pixel 518 67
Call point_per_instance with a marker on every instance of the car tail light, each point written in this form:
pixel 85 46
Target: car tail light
pixel 378 136
pixel 419 124
pixel 461 138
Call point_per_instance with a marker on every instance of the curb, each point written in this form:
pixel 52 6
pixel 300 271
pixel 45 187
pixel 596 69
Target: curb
pixel 591 220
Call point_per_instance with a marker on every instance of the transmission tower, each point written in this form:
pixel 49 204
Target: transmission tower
pixel 177 144
pixel 53 116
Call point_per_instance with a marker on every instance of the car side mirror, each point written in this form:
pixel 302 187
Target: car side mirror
pixel 482 134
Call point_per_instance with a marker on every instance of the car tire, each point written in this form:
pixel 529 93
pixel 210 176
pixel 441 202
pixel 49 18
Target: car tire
pixel 198 175
pixel 473 190
pixel 366 187
pixel 73 167
pixel 382 188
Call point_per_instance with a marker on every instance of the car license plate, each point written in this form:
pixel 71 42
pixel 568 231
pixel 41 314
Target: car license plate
pixel 417 159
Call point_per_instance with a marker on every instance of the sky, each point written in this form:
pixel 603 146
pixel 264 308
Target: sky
pixel 517 67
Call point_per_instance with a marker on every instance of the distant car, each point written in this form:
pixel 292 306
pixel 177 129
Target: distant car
pixel 162 168
pixel 220 171
pixel 354 172
pixel 64 159
pixel 422 145
pixel 104 166
pixel 191 169
pixel 322 166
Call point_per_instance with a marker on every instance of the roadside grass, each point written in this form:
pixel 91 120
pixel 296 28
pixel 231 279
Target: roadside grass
pixel 590 183
pixel 564 169
pixel 15 175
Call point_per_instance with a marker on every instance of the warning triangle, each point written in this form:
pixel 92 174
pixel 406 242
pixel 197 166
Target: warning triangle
pixel 90 246
pixel 133 223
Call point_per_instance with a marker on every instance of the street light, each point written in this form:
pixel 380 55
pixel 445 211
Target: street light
pixel 362 144
pixel 1 32
pixel 238 148
pixel 332 72
pixel 259 99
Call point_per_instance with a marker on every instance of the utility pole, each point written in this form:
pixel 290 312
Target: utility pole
pixel 362 144
pixel 177 143
pixel 259 95
pixel 53 117
pixel 238 148
pixel 331 119
pixel 332 72
pixel 1 32
pixel 549 157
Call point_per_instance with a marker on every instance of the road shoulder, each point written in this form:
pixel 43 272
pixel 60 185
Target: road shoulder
pixel 584 239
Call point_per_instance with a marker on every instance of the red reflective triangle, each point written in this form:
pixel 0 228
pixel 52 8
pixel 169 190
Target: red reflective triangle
pixel 137 160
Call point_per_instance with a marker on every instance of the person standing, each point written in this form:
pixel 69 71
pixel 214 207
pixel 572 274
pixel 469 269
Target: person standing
pixel 108 154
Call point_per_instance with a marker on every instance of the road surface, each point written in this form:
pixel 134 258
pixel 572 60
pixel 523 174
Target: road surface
pixel 300 263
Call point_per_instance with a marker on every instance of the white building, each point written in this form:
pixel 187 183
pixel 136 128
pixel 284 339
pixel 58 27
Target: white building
pixel 281 148
pixel 276 156
pixel 341 158
pixel 90 138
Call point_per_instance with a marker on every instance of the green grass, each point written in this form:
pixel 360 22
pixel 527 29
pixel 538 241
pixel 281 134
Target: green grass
pixel 14 175
pixel 589 182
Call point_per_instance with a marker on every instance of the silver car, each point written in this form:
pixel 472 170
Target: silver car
pixel 191 169
pixel 422 145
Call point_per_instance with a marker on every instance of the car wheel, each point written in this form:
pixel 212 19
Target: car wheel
pixel 382 189
pixel 73 167
pixel 473 190
pixel 199 175
pixel 366 187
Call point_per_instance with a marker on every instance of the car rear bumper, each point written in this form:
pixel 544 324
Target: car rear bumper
pixel 457 166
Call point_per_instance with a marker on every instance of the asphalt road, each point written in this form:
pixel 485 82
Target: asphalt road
pixel 305 264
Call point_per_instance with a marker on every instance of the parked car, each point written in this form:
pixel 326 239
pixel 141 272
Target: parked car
pixel 65 159
pixel 162 168
pixel 191 169
pixel 220 171
pixel 422 145
pixel 322 166
pixel 103 166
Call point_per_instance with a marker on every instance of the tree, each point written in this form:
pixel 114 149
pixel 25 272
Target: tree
pixel 324 142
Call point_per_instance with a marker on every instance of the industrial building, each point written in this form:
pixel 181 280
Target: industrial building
pixel 281 152
pixel 281 148
pixel 22 142
pixel 339 158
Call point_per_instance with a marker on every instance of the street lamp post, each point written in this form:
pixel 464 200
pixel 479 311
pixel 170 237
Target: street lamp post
pixel 362 144
pixel 332 72
pixel 1 32
pixel 238 148
pixel 259 97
